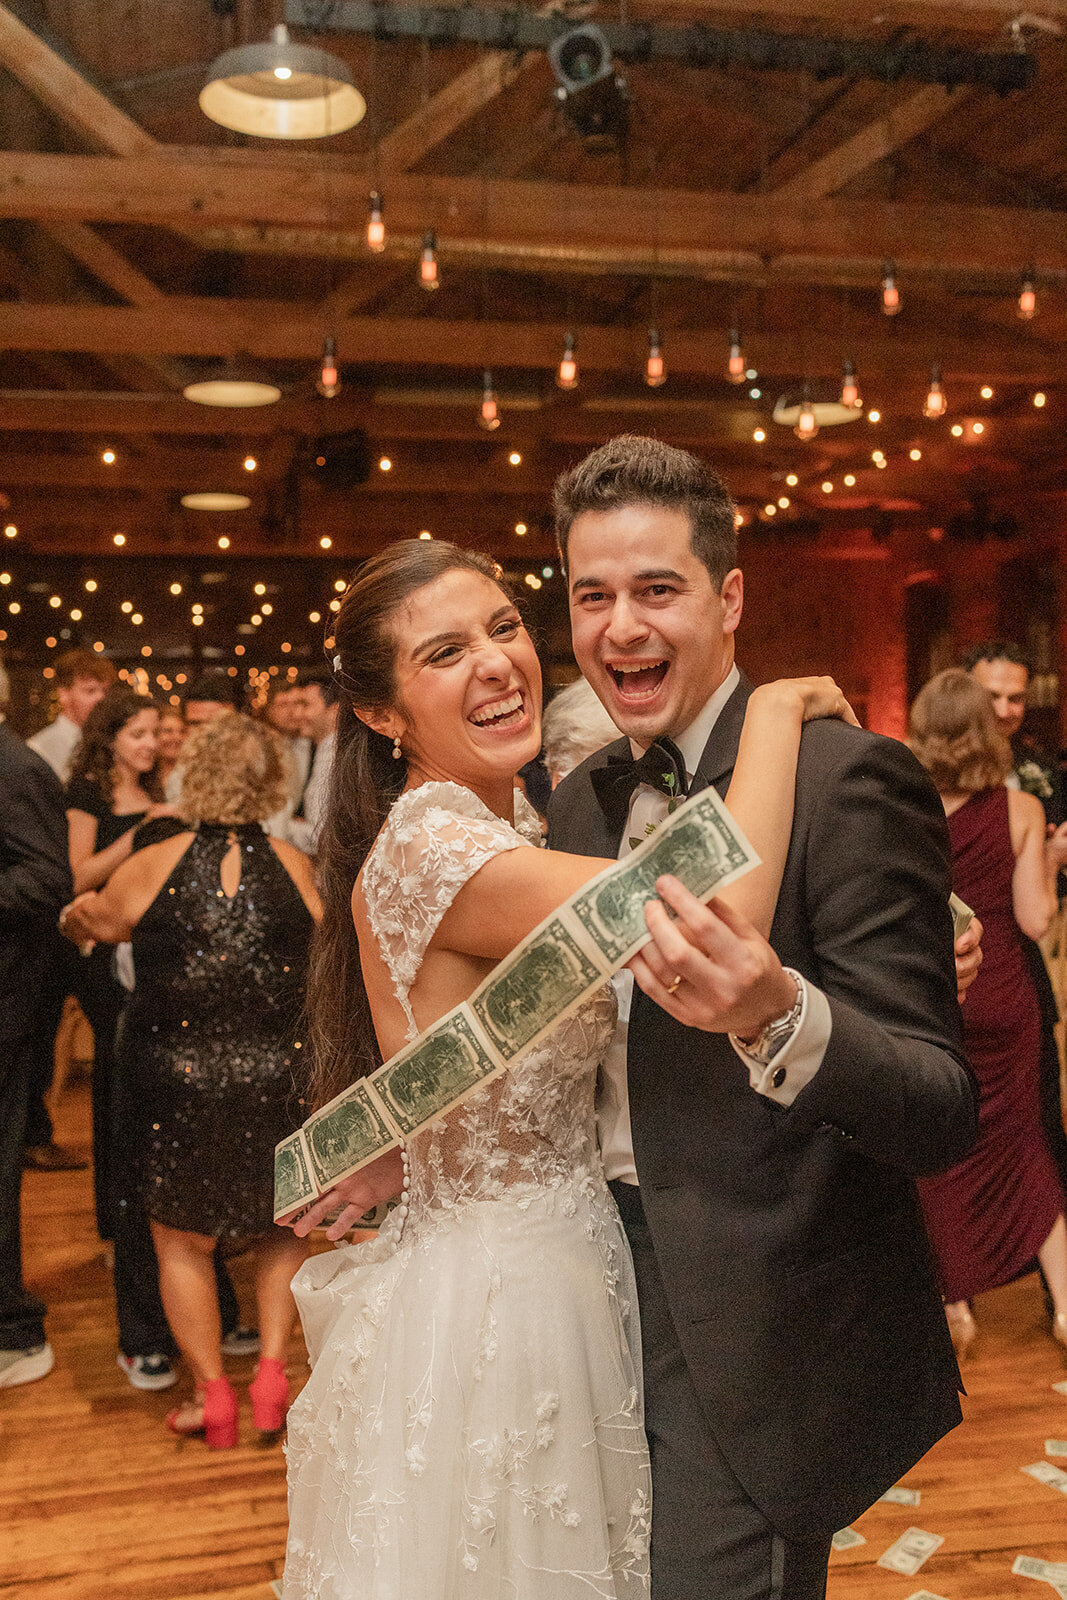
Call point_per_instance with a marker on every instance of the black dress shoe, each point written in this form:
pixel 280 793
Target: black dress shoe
pixel 52 1157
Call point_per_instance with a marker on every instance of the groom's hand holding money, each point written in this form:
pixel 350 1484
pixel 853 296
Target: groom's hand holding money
pixel 708 966
pixel 380 1181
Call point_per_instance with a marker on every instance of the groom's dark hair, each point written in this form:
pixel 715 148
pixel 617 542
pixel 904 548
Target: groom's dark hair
pixel 631 470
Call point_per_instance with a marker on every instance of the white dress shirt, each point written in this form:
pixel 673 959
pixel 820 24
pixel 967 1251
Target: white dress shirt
pixel 304 831
pixel 803 1053
pixel 57 744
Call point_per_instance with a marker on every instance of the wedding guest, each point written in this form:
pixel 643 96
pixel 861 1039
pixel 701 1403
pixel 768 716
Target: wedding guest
pixel 1000 1210
pixel 169 740
pixel 211 695
pixel 575 725
pixel 34 882
pixel 82 679
pixel 114 787
pixel 220 918
pixel 283 713
pixel 1003 669
pixel 319 705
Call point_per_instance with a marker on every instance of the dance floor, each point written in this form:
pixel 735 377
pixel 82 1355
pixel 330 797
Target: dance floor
pixel 99 1502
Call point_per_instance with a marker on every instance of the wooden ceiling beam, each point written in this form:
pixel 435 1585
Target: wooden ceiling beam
pixel 66 93
pixel 542 223
pixel 282 331
pixel 874 142
pixel 106 263
pixel 981 15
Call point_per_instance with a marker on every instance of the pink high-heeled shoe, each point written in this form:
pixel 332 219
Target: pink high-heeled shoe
pixel 269 1393
pixel 218 1421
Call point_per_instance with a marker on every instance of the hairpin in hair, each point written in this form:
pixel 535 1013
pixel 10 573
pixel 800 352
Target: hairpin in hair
pixel 337 663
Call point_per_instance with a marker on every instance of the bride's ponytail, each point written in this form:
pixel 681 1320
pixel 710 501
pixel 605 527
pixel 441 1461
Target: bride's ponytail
pixel 365 781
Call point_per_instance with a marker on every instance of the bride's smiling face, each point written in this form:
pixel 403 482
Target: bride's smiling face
pixel 468 702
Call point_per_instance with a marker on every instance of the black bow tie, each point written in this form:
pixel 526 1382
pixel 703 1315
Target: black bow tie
pixel 662 767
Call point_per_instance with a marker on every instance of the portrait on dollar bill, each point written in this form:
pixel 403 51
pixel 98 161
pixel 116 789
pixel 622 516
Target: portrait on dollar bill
pixel 345 1135
pixel 535 986
pixel 437 1072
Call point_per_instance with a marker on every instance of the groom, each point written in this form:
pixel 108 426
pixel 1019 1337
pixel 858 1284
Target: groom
pixel 765 1107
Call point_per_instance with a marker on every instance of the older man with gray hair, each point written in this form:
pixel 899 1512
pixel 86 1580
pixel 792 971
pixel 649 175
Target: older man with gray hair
pixel 35 883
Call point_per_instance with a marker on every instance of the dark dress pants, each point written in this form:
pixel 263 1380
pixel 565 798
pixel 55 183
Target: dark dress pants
pixel 21 1313
pixel 57 982
pixel 709 1541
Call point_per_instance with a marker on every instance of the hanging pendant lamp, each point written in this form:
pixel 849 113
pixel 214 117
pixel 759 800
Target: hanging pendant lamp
pixel 281 90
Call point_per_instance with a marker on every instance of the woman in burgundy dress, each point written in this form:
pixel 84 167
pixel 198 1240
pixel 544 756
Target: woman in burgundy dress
pixel 1002 1208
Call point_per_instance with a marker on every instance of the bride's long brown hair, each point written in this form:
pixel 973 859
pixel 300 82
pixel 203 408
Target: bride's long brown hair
pixel 364 783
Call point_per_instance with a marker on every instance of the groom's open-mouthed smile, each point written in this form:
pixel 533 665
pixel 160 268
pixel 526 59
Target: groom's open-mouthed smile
pixel 651 632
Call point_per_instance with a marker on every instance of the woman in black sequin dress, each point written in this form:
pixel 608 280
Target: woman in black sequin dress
pixel 220 920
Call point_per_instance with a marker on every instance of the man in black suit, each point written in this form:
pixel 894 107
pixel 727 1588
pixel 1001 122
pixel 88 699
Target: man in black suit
pixel 766 1106
pixel 35 883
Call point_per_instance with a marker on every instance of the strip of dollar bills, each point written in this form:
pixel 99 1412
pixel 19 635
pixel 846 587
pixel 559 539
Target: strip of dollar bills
pixel 544 978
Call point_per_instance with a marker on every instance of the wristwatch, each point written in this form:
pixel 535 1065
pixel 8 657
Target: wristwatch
pixel 776 1034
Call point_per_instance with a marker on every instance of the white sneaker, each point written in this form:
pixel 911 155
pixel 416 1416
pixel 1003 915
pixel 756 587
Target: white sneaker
pixel 25 1366
pixel 241 1342
pixel 148 1372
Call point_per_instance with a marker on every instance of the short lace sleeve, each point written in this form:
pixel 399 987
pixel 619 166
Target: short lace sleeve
pixel 434 840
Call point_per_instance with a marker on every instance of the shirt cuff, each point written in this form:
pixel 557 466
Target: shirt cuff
pixel 800 1057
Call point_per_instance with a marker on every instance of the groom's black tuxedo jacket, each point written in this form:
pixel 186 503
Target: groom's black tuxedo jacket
pixel 789 1239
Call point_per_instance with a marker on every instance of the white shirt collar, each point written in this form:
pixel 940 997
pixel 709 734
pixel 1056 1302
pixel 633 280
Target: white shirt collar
pixel 692 742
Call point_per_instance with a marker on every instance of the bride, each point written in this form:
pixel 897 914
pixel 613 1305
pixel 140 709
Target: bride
pixel 472 1427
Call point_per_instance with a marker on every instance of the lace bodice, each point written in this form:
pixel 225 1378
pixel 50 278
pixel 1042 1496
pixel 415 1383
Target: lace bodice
pixel 533 1126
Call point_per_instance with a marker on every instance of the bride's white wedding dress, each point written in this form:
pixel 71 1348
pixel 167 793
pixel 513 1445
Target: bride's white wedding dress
pixel 472 1427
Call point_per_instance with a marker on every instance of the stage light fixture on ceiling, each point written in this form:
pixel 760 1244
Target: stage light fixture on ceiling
pixel 281 90
pixel 591 92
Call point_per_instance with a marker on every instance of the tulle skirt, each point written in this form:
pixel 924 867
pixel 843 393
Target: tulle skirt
pixel 472 1427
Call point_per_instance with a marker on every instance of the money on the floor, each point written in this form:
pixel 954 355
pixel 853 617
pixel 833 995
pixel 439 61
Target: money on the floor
pixel 908 1553
pixel 1061 1387
pixel 1043 1571
pixel 1056 1447
pixel 555 968
pixel 846 1539
pixel 901 1497
pixel 962 916
pixel 276 1587
pixel 1045 1472
pixel 924 1594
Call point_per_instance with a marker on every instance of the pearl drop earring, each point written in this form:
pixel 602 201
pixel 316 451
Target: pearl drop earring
pixel 397 752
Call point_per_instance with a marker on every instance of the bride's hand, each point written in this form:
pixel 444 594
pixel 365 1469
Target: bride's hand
pixel 373 1184
pixel 815 696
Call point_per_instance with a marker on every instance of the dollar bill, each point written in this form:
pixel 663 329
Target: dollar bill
pixel 908 1553
pixel 541 980
pixel 1043 1571
pixel 1056 1447
pixel 1060 1589
pixel 847 1539
pixel 435 1073
pixel 925 1594
pixel 962 916
pixel 293 1183
pixel 345 1135
pixel 700 844
pixel 1061 1387
pixel 276 1587
pixel 1045 1472
pixel 901 1497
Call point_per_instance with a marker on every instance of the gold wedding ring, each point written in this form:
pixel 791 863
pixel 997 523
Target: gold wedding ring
pixel 671 987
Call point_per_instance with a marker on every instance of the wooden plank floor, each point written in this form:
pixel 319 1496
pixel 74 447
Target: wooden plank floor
pixel 99 1502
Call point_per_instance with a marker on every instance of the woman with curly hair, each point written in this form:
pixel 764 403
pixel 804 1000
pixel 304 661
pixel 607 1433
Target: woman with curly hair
pixel 1002 1208
pixel 220 917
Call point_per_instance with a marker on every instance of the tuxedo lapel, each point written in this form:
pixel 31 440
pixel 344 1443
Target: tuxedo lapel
pixel 590 833
pixel 717 762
